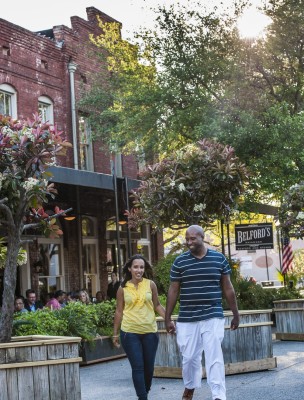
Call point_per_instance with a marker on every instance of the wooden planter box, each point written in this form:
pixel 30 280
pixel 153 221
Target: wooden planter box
pixel 247 349
pixel 289 316
pixel 40 367
pixel 101 349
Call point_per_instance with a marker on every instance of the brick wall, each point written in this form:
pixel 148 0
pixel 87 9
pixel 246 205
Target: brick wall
pixel 37 65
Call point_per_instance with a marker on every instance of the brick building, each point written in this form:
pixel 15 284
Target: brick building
pixel 47 72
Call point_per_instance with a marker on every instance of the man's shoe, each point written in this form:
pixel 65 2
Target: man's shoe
pixel 188 394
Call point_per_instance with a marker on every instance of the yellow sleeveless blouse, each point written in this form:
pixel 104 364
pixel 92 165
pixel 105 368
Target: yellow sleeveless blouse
pixel 138 313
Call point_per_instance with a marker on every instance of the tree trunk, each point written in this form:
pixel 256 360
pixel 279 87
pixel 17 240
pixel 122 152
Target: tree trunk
pixel 9 286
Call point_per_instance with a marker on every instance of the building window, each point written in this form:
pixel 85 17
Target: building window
pixel 88 227
pixel 6 51
pixel 8 100
pixel 44 64
pixel 83 78
pixel 49 266
pixel 118 164
pixel 90 254
pixel 144 244
pixel 45 109
pixel 85 142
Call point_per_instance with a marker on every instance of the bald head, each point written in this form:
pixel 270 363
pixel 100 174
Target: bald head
pixel 196 229
pixel 195 240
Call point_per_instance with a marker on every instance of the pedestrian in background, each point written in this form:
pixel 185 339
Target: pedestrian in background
pixel 137 301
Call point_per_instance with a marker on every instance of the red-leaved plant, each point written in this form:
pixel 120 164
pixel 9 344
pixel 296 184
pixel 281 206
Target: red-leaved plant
pixel 27 149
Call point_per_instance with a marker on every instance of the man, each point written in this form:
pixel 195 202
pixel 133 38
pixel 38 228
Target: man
pixel 113 287
pixel 31 303
pixel 200 275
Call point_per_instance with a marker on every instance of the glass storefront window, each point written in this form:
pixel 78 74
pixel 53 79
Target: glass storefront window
pixel 49 268
pixel 87 227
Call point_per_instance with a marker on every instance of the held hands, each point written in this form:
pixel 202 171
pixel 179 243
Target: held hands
pixel 170 327
pixel 115 341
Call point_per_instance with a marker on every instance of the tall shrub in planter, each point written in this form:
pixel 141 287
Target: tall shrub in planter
pixel 194 185
pixel 27 149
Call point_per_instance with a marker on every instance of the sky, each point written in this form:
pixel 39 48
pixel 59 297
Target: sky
pixel 35 15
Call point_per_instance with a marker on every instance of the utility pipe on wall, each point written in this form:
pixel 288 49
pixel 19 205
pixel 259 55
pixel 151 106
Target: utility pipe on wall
pixel 72 68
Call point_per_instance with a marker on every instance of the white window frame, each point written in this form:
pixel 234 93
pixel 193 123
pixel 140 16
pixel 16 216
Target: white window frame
pixel 61 276
pixel 92 240
pixel 48 108
pixel 86 145
pixel 10 91
pixel 146 241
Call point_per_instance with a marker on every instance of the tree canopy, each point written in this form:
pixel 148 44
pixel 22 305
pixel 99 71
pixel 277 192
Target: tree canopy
pixel 193 77
pixel 164 91
pixel 263 114
pixel 291 212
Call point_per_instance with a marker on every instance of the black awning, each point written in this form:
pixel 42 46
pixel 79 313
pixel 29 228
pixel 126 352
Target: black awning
pixel 70 176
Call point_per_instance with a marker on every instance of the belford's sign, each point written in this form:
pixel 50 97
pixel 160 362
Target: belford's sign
pixel 253 236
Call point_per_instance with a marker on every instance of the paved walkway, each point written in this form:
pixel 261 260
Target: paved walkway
pixel 112 380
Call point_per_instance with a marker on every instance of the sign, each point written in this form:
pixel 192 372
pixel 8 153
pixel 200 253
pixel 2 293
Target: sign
pixel 253 236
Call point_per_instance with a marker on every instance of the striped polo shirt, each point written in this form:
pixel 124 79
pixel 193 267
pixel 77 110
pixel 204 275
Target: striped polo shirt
pixel 200 287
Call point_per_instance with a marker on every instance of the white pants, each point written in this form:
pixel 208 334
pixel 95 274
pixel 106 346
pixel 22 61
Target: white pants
pixel 195 337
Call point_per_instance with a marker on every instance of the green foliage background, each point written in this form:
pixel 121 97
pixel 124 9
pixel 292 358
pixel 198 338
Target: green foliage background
pixel 75 319
pixel 250 296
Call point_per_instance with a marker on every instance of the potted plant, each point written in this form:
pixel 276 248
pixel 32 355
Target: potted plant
pixel 29 365
pixel 93 323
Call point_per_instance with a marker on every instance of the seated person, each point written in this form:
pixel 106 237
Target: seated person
pixel 72 297
pixel 100 297
pixel 55 302
pixel 31 303
pixel 84 297
pixel 19 304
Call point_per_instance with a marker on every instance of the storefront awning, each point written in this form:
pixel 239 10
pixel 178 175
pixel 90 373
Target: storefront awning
pixel 70 176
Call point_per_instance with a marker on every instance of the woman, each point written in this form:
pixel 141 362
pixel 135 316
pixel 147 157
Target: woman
pixel 84 297
pixel 136 303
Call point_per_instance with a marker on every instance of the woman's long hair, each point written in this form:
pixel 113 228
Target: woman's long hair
pixel 127 274
pixel 87 297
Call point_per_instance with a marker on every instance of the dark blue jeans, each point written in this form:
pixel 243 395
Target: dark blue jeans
pixel 141 351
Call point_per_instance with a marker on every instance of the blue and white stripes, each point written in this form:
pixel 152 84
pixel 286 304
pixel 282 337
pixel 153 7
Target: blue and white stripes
pixel 200 294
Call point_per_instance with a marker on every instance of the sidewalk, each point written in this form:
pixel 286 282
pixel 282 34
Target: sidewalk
pixel 112 380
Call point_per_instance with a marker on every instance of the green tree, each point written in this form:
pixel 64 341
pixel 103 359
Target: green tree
pixel 164 91
pixel 195 184
pixel 291 212
pixel 118 108
pixel 194 77
pixel 27 148
pixel 263 113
